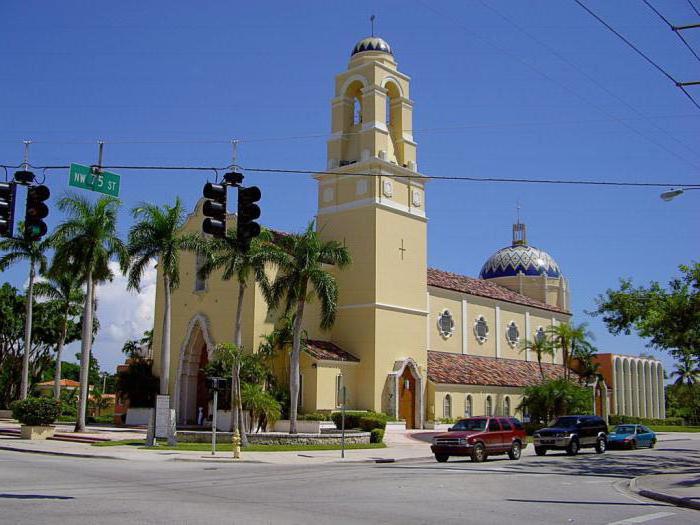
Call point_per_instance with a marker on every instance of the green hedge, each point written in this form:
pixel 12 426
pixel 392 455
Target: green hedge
pixel 352 418
pixel 315 416
pixel 376 435
pixel 371 422
pixel 669 421
pixel 36 411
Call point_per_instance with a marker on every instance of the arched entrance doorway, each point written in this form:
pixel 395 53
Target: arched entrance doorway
pixel 407 398
pixel 191 388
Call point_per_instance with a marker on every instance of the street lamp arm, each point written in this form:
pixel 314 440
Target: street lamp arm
pixel 672 194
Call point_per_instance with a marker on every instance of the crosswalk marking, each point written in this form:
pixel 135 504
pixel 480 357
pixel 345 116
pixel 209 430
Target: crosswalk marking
pixel 644 518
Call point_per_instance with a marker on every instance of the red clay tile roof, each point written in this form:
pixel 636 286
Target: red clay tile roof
pixel 64 383
pixel 327 351
pixel 483 288
pixel 461 369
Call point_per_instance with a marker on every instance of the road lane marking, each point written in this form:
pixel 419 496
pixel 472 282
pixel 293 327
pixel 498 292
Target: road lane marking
pixel 644 518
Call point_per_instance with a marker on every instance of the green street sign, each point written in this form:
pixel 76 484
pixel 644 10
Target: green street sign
pixel 103 182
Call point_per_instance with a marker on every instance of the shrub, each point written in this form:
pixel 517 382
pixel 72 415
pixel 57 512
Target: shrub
pixel 315 416
pixel 36 411
pixel 373 421
pixel 448 420
pixel 352 418
pixel 138 384
pixel 556 397
pixel 376 435
pixel 621 420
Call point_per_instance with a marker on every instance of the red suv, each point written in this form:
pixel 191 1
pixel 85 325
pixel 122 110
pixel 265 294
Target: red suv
pixel 480 437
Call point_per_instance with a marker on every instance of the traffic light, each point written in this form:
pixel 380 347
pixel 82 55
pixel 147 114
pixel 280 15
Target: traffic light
pixel 248 211
pixel 8 190
pixel 214 209
pixel 36 210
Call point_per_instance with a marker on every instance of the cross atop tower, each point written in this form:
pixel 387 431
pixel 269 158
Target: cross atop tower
pixel 519 229
pixel 371 21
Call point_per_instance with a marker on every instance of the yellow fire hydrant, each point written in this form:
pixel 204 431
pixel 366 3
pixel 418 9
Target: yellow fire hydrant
pixel 236 442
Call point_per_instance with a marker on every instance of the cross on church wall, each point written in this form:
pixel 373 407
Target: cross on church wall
pixel 402 249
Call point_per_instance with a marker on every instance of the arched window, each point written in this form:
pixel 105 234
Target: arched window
pixel 540 334
pixel 357 111
pixel 489 406
pixel 446 324
pixel 481 329
pixel 506 407
pixel 447 406
pixel 468 406
pixel 513 334
pixel 200 284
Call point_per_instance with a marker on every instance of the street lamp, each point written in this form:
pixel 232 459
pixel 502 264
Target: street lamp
pixel 672 194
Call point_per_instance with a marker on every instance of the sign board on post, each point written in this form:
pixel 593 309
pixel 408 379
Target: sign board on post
pixel 102 182
pixel 164 416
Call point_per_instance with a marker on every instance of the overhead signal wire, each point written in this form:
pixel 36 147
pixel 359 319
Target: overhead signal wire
pixel 673 28
pixel 216 169
pixel 594 81
pixel 694 8
pixel 640 53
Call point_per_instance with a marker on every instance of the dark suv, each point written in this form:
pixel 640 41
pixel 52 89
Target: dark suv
pixel 479 437
pixel 572 433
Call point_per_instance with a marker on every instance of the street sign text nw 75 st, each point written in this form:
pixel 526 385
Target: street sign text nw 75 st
pixel 103 182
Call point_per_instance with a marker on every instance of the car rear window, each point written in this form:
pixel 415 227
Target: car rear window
pixel 506 424
pixel 494 426
pixel 516 423
pixel 470 424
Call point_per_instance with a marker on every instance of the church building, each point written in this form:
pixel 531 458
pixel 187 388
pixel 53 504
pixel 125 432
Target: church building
pixel 414 342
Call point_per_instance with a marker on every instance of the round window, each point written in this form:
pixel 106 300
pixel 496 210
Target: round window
pixel 446 324
pixel 481 329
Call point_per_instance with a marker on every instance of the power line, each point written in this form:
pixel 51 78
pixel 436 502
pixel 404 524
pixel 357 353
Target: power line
pixel 592 79
pixel 640 53
pixel 694 8
pixel 216 169
pixel 673 28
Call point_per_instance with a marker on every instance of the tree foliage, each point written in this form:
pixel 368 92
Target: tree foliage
pixel 556 397
pixel 668 317
pixel 48 323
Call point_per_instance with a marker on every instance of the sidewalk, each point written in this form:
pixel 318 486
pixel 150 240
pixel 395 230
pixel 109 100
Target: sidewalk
pixel 399 448
pixel 679 489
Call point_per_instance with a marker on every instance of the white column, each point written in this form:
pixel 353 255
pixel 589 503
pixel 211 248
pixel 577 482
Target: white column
pixel 641 379
pixel 528 335
pixel 662 393
pixel 634 385
pixel 648 389
pixel 654 391
pixel 465 339
pixel 627 376
pixel 498 331
pixel 427 321
pixel 616 385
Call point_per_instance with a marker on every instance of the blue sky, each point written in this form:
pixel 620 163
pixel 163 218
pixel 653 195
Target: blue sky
pixel 531 89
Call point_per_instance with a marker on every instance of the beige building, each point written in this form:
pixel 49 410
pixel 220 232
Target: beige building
pixel 411 341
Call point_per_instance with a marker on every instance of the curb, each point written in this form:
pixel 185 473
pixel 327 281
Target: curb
pixel 55 453
pixel 662 496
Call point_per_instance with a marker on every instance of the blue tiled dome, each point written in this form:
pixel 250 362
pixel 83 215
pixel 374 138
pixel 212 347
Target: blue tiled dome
pixel 371 43
pixel 519 258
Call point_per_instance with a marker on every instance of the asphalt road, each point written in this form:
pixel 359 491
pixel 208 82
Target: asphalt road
pixel 586 489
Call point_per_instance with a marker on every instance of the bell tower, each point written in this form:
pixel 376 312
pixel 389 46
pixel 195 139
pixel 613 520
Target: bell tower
pixel 372 198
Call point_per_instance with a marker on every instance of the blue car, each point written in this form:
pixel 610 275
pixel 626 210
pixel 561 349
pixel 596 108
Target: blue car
pixel 631 436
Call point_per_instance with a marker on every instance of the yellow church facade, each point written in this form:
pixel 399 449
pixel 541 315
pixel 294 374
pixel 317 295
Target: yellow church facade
pixel 418 343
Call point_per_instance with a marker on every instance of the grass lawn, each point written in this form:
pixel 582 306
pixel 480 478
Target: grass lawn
pixel 227 447
pixel 670 428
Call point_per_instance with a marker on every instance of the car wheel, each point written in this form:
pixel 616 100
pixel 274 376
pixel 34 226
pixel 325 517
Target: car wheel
pixel 441 458
pixel 540 451
pixel 515 450
pixel 601 445
pixel 479 453
pixel 573 447
pixel 652 443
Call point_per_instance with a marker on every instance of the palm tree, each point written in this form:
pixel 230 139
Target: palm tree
pixel 687 371
pixel 301 259
pixel 64 288
pixel 157 235
pixel 573 341
pixel 542 346
pixel 85 243
pixel 33 251
pixel 225 254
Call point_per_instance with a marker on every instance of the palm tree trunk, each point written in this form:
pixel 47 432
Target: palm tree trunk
pixel 27 334
pixel 85 347
pixel 539 362
pixel 59 351
pixel 294 366
pixel 239 423
pixel 165 344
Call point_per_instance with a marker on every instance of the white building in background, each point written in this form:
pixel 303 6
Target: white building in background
pixel 635 385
